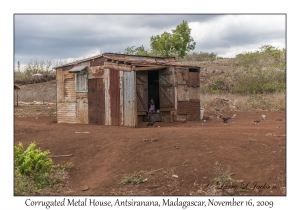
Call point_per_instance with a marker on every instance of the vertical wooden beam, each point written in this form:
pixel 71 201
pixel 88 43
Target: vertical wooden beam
pixel 107 97
pixel 60 90
pixel 121 99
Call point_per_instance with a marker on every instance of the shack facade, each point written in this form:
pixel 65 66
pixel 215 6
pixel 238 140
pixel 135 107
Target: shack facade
pixel 115 89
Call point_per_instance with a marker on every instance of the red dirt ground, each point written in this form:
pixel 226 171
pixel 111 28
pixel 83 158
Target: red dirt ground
pixel 181 156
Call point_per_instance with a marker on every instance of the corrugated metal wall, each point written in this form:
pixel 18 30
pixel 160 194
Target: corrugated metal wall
pixel 66 112
pixel 114 92
pixel 70 92
pixel 129 103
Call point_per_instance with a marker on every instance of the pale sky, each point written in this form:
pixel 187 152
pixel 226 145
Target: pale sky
pixel 75 36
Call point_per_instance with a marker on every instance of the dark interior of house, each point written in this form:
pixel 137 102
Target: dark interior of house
pixel 153 88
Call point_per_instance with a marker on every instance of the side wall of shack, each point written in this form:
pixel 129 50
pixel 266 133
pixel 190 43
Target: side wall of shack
pixel 117 106
pixel 188 94
pixel 179 94
pixel 72 106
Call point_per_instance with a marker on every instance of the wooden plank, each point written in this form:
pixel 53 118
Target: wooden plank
pixel 60 87
pixel 116 66
pixel 82 111
pixel 183 93
pixel 140 79
pixel 142 91
pixel 141 99
pixel 167 95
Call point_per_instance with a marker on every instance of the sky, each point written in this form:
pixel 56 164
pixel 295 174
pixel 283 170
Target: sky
pixel 76 36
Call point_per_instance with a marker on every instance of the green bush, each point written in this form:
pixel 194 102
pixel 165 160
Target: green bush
pixel 32 161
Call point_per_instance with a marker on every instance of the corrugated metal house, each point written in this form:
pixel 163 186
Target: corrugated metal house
pixel 115 89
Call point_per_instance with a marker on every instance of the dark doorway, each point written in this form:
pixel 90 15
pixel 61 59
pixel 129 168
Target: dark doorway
pixel 153 88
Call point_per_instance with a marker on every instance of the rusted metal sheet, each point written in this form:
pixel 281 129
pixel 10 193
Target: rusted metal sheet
pixel 190 108
pixel 183 93
pixel 70 92
pixel 82 111
pixel 166 89
pixel 96 72
pixel 114 92
pixel 66 112
pixel 96 102
pixel 142 92
pixel 194 79
pixel 97 62
pixel 121 98
pixel 60 85
pixel 129 103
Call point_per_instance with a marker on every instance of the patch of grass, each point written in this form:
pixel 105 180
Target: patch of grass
pixel 269 134
pixel 222 176
pixel 136 177
pixel 251 140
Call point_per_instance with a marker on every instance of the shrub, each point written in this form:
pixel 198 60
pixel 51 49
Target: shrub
pixel 32 161
pixel 34 170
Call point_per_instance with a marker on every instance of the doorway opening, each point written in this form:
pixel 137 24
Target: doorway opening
pixel 153 88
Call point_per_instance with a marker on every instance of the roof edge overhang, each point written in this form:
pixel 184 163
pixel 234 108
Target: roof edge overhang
pixel 78 61
pixel 169 63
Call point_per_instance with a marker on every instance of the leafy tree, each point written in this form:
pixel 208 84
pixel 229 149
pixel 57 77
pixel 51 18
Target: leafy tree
pixel 136 50
pixel 177 43
pixel 162 44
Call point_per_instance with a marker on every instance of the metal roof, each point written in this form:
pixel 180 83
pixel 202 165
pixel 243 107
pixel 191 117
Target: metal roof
pixel 78 68
pixel 136 60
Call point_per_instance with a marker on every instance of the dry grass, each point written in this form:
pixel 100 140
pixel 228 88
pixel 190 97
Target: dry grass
pixel 276 101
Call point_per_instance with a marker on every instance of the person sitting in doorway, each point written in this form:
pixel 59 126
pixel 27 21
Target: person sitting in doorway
pixel 152 108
